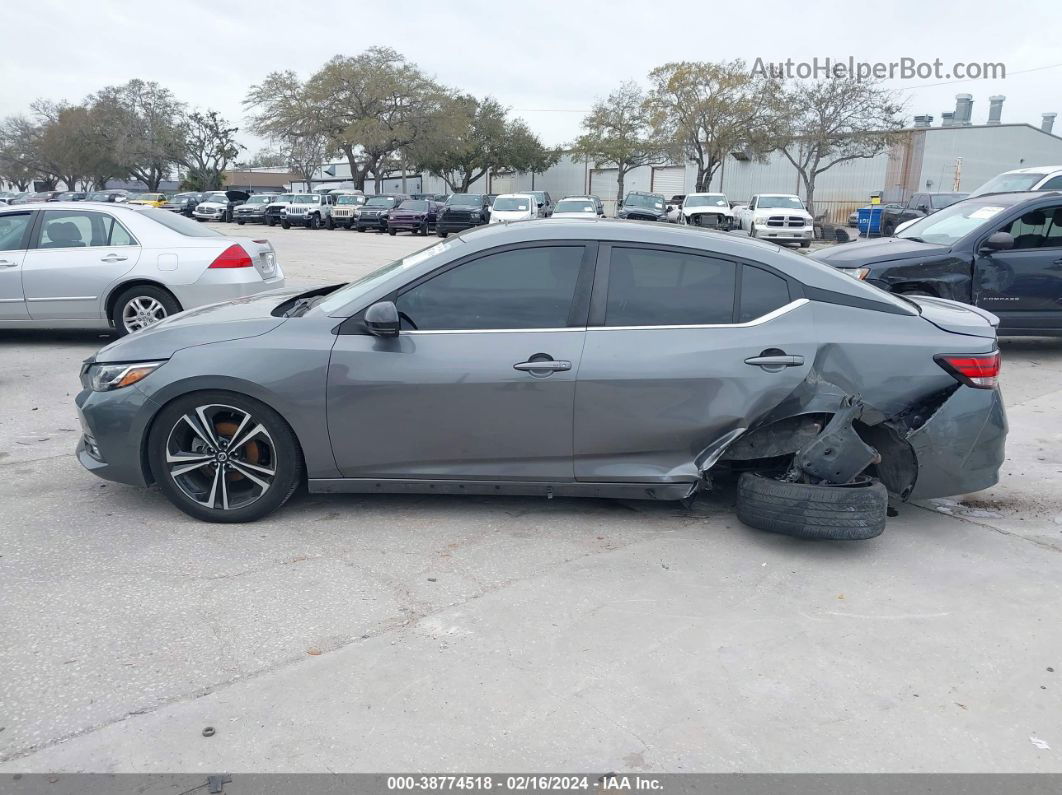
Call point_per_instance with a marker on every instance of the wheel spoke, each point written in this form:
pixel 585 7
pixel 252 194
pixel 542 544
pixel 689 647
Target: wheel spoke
pixel 224 489
pixel 212 438
pixel 213 489
pixel 239 441
pixel 197 430
pixel 186 462
pixel 247 473
pixel 257 468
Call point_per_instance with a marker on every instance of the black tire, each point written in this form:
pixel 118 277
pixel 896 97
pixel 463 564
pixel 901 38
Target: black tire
pixel 361 228
pixel 844 513
pixel 331 224
pixel 752 231
pixel 888 229
pixel 281 453
pixel 805 243
pixel 440 233
pixel 148 296
pixel 424 229
pixel 392 232
pixel 239 222
pixel 285 225
pixel 313 222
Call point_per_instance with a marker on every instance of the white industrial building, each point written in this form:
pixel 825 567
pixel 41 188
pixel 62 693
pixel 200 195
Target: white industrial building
pixel 955 156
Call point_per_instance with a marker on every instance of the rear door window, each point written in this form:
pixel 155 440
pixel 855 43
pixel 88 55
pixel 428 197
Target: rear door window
pixel 13 229
pixel 651 287
pixel 762 292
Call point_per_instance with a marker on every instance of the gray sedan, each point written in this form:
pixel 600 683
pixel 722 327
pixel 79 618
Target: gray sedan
pixel 562 358
pixel 88 265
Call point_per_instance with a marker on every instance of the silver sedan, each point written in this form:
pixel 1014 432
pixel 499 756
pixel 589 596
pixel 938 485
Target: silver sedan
pixel 83 265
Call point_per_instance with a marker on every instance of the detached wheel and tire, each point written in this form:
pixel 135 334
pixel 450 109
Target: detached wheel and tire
pixel 142 306
pixel 223 457
pixel 846 513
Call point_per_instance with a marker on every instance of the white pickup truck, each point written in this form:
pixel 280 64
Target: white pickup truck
pixel 780 217
pixel 706 209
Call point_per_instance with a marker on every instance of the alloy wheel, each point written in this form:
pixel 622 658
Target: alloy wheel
pixel 141 312
pixel 221 457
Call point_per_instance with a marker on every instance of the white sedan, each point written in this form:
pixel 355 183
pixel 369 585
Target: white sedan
pixel 87 265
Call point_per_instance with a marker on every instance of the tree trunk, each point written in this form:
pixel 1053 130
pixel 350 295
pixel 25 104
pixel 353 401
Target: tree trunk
pixel 621 172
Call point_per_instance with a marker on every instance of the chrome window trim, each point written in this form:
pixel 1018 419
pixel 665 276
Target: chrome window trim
pixel 782 310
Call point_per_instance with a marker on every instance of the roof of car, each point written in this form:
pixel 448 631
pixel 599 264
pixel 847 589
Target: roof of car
pixel 1033 170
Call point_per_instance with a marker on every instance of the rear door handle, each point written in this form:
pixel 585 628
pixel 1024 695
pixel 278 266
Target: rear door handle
pixel 780 360
pixel 113 258
pixel 554 365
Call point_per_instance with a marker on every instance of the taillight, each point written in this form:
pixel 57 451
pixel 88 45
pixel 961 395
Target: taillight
pixel 979 370
pixel 233 257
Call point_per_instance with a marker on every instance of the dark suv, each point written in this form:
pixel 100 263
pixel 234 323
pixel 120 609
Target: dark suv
pixel 1000 252
pixel 639 206
pixel 918 206
pixel 374 212
pixel 463 211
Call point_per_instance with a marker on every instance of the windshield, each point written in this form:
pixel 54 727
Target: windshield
pixel 574 206
pixel 708 200
pixel 465 200
pixel 283 198
pixel 784 202
pixel 259 200
pixel 414 204
pixel 350 200
pixel 639 200
pixel 306 200
pixel 513 203
pixel 939 201
pixel 178 223
pixel 951 224
pixel 99 197
pixel 216 197
pixel 1009 183
pixel 352 291
pixel 381 201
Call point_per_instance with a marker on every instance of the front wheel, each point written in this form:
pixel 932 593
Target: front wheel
pixel 224 457
pixel 805 243
pixel 239 222
pixel 331 224
pixel 392 232
pixel 752 231
pixel 285 225
pixel 313 222
pixel 142 306
pixel 440 233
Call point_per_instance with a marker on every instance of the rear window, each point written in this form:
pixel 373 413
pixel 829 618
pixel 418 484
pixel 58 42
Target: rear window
pixel 570 206
pixel 648 287
pixel 506 204
pixel 178 223
pixel 417 205
pixel 381 201
pixel 762 292
pixel 465 200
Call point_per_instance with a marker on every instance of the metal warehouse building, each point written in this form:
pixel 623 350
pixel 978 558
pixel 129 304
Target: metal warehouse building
pixel 955 156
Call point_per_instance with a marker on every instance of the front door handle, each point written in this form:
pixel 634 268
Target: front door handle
pixel 552 365
pixel 775 360
pixel 6 263
pixel 113 258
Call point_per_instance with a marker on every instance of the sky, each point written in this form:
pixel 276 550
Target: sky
pixel 547 61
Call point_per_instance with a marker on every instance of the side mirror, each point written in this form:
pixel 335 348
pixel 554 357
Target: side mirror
pixel 998 241
pixel 382 319
pixel 923 208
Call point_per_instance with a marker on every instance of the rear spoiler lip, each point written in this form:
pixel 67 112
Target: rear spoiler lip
pixel 984 313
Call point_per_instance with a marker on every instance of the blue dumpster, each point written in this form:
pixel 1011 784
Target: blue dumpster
pixel 869 220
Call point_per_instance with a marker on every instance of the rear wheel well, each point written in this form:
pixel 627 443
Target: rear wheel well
pixel 112 299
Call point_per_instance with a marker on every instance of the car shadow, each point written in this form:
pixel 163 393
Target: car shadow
pixel 56 336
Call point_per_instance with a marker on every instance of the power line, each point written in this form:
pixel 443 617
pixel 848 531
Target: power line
pixel 978 79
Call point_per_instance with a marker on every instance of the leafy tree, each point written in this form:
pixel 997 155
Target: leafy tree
pixel 469 138
pixel 18 160
pixel 832 121
pixel 208 146
pixel 708 110
pixel 618 132
pixel 141 121
pixel 368 107
pixel 303 155
pixel 267 158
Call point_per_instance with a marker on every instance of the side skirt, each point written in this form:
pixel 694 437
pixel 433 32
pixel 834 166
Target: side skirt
pixel 625 491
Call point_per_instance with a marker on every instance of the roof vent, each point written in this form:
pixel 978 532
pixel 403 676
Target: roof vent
pixel 1048 122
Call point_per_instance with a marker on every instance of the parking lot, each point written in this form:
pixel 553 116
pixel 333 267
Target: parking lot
pixel 349 633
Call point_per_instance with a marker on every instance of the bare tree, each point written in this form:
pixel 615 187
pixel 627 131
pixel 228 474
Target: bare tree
pixel 832 121
pixel 208 145
pixel 618 132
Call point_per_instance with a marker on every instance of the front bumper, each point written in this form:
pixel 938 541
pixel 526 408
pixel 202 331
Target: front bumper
pixel 208 215
pixel 960 448
pixel 405 224
pixel 371 222
pixel 114 433
pixel 258 216
pixel 780 233
pixel 451 225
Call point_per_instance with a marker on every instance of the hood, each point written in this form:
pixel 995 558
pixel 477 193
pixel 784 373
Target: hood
pixel 230 320
pixel 701 210
pixel 212 204
pixel 956 317
pixel 868 252
pixel 510 215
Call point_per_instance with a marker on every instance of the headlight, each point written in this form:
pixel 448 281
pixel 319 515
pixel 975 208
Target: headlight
pixel 474 215
pixel 107 377
pixel 857 273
